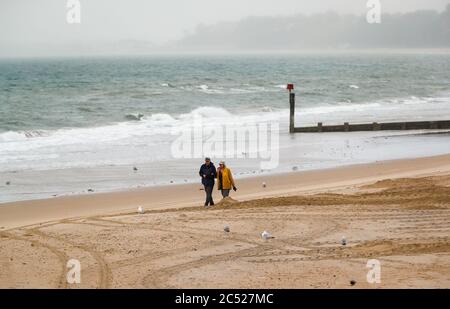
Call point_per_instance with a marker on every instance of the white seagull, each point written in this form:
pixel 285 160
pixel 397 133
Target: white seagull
pixel 266 235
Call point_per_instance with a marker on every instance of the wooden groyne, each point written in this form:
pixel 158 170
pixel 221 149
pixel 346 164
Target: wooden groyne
pixel 375 126
pixel 391 126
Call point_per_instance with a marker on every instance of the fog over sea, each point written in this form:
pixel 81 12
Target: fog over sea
pixel 72 124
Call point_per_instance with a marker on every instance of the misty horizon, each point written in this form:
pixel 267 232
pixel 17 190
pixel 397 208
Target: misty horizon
pixel 326 31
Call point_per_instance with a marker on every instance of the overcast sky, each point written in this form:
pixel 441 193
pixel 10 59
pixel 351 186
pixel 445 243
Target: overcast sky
pixel 27 22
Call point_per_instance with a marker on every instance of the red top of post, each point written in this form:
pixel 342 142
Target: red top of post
pixel 290 87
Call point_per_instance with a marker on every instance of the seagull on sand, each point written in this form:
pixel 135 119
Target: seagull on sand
pixel 266 235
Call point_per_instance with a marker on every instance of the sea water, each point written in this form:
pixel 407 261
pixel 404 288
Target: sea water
pixel 72 124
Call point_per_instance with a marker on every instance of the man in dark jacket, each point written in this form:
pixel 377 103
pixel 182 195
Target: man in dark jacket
pixel 209 174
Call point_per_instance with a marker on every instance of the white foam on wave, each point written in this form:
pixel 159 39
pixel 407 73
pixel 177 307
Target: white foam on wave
pixel 242 89
pixel 401 109
pixel 23 135
pixel 344 107
pixel 267 109
pixel 207 112
pixel 161 118
pixel 281 86
pixel 56 146
pixel 239 91
pixel 167 85
pixel 12 136
pixel 155 124
pixel 119 143
pixel 206 89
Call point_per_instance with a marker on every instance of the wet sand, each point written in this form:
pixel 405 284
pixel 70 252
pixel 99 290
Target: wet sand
pixel 397 212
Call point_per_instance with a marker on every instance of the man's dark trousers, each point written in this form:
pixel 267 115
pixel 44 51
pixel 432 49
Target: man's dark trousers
pixel 209 199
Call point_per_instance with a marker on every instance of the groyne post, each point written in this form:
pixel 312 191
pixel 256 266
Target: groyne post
pixel 290 87
pixel 292 112
pixel 346 127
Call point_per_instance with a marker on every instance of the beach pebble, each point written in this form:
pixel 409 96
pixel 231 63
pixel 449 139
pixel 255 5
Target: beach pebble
pixel 226 228
pixel 344 241
pixel 266 235
pixel 140 210
pixel 90 190
pixel 353 282
pixel 135 169
pixel 264 185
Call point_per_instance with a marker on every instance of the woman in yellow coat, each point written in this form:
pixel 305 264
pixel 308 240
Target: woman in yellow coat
pixel 225 180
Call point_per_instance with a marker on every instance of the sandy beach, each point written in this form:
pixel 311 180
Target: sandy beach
pixel 397 212
pixel 327 125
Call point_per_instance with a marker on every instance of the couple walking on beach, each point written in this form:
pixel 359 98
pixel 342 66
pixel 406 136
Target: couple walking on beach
pixel 225 181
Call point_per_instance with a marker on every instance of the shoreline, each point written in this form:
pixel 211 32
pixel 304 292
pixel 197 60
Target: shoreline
pixel 302 153
pixel 395 212
pixel 22 213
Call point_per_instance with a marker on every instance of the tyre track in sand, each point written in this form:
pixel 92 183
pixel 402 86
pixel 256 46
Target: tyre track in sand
pixel 158 278
pixel 367 249
pixel 62 257
pixel 105 275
